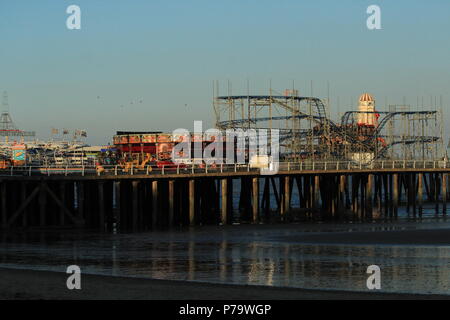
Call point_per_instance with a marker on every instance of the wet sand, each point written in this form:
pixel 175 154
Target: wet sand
pixel 30 284
pixel 398 237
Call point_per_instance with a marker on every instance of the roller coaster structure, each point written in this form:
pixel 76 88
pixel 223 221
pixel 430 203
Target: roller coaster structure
pixel 307 132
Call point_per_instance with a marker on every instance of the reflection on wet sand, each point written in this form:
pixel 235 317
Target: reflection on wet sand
pixel 250 255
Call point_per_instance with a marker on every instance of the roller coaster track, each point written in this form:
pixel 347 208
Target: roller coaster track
pixel 282 101
pixel 233 123
pixel 324 126
pixel 389 115
pixel 318 116
pixel 408 141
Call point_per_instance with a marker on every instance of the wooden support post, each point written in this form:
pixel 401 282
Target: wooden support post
pixel 287 192
pixel 316 192
pixel 101 204
pixel 117 204
pixel 135 205
pixel 224 208
pixel 334 190
pixel 341 196
pixel 369 199
pixel 413 193
pixel 420 192
pixel 255 200
pixel 282 203
pixel 155 207
pixel 444 193
pixel 230 205
pixel 407 184
pixel 308 197
pixel 171 202
pixel 192 202
pixel 334 194
pixel 395 194
pixel 436 192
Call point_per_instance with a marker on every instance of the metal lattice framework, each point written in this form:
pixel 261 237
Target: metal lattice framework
pixel 288 114
pixel 7 126
pixel 307 132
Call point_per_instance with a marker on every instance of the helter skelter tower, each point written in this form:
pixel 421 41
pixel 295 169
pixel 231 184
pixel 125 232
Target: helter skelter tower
pixel 7 126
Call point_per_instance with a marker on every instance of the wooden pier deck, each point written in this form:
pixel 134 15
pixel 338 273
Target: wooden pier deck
pixel 149 198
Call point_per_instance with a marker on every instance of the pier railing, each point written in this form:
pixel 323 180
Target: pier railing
pixel 345 166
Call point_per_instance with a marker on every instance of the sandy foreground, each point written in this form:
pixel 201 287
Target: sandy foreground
pixel 30 284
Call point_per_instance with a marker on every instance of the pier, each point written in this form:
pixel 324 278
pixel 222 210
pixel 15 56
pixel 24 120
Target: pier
pixel 149 198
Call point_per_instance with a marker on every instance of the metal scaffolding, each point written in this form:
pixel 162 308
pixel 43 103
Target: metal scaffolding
pixel 307 132
pixel 7 126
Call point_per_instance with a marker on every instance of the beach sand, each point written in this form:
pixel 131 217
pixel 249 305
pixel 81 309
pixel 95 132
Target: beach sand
pixel 30 284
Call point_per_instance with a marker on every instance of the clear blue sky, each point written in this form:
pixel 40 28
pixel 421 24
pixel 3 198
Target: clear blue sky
pixel 167 53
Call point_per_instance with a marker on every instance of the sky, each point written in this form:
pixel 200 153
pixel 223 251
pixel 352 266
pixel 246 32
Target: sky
pixel 150 64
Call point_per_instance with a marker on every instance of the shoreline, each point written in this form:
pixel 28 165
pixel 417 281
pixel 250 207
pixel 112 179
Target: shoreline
pixel 24 284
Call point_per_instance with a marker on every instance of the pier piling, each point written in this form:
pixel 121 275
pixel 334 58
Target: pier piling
pixel 444 193
pixel 420 193
pixel 192 202
pixel 141 202
pixel 287 197
pixel 369 200
pixel 224 202
pixel 395 187
pixel 155 204
pixel 255 200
